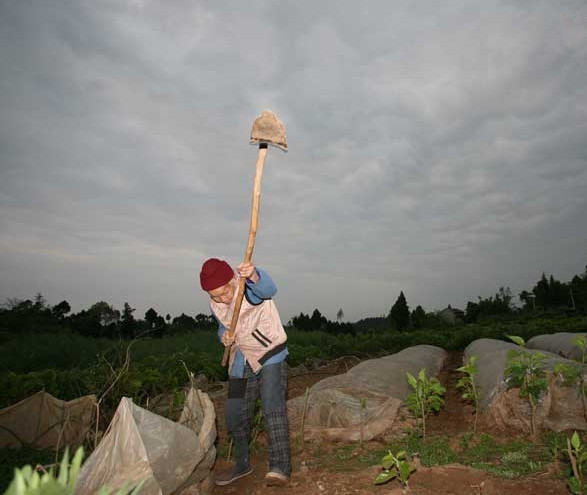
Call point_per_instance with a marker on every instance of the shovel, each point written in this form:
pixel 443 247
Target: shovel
pixel 267 129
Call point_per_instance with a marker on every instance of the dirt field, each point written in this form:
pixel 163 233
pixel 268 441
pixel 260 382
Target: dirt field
pixel 328 468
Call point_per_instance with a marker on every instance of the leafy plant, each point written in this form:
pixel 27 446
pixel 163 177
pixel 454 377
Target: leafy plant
pixel 525 370
pixel 571 374
pixel 467 384
pixel 395 466
pixel 427 396
pixel 577 452
pixel 28 481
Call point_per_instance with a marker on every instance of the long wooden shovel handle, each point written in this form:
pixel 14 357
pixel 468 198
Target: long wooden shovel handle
pixel 250 244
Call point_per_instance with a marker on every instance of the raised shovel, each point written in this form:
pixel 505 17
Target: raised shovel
pixel 267 129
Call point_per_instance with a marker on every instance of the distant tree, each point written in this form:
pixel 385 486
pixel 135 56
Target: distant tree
pixel 22 316
pixel 26 306
pixel 168 318
pixel 578 292
pixel 155 323
pixel 11 303
pixel 107 317
pixel 399 315
pixel 541 292
pixel 418 317
pixel 60 310
pixel 558 293
pixel 306 323
pixel 317 320
pixel 40 302
pixel 338 328
pixel 435 320
pixel 106 313
pixel 550 293
pixel 206 322
pixel 528 300
pixel 128 324
pixel 184 321
pixel 301 322
pixel 86 323
pixel 471 312
pixel 160 327
pixel 374 323
pixel 340 315
pixel 151 318
pixel 499 304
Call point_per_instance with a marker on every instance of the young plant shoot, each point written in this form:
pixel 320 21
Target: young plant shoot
pixel 427 396
pixel 467 384
pixel 395 466
pixel 525 370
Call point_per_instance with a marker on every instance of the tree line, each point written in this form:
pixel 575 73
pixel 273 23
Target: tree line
pixel 547 295
pixel 100 320
pixel 103 320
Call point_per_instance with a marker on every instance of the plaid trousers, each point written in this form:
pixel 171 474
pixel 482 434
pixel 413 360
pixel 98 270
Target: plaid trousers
pixel 270 384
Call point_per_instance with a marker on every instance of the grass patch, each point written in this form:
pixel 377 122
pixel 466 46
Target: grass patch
pixel 511 460
pixel 435 451
pixel 343 458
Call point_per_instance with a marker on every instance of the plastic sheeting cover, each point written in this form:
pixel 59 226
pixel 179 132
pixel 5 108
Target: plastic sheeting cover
pixel 365 401
pixel 559 409
pixel 558 343
pixel 142 446
pixel 43 421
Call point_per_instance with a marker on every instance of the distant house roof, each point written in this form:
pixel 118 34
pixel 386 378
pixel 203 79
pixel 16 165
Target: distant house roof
pixel 452 315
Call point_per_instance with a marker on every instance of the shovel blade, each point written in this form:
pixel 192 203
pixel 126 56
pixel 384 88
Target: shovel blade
pixel 267 128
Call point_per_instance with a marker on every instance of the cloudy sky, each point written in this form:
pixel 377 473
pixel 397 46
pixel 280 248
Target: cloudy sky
pixel 437 148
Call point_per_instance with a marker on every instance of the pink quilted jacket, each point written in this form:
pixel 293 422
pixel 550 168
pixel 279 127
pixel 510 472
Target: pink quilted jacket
pixel 259 333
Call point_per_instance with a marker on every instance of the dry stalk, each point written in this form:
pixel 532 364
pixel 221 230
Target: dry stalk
pixel 123 370
pixel 573 461
pixel 361 426
pixel 97 424
pixel 43 469
pixel 229 450
pixel 193 383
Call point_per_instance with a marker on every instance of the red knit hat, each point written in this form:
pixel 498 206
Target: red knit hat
pixel 215 273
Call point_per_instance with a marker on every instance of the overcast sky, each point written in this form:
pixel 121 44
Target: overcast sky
pixel 439 148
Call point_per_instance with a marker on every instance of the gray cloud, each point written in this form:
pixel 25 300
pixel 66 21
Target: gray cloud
pixel 437 150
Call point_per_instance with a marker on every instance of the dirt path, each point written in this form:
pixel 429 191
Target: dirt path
pixel 327 468
pixel 455 417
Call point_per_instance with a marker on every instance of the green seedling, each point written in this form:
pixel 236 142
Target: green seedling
pixel 467 385
pixel 577 452
pixel 28 481
pixel 363 412
pixel 395 466
pixel 571 374
pixel 426 398
pixel 525 370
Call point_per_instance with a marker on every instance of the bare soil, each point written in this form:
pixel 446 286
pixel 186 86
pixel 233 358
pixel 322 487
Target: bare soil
pixel 311 475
